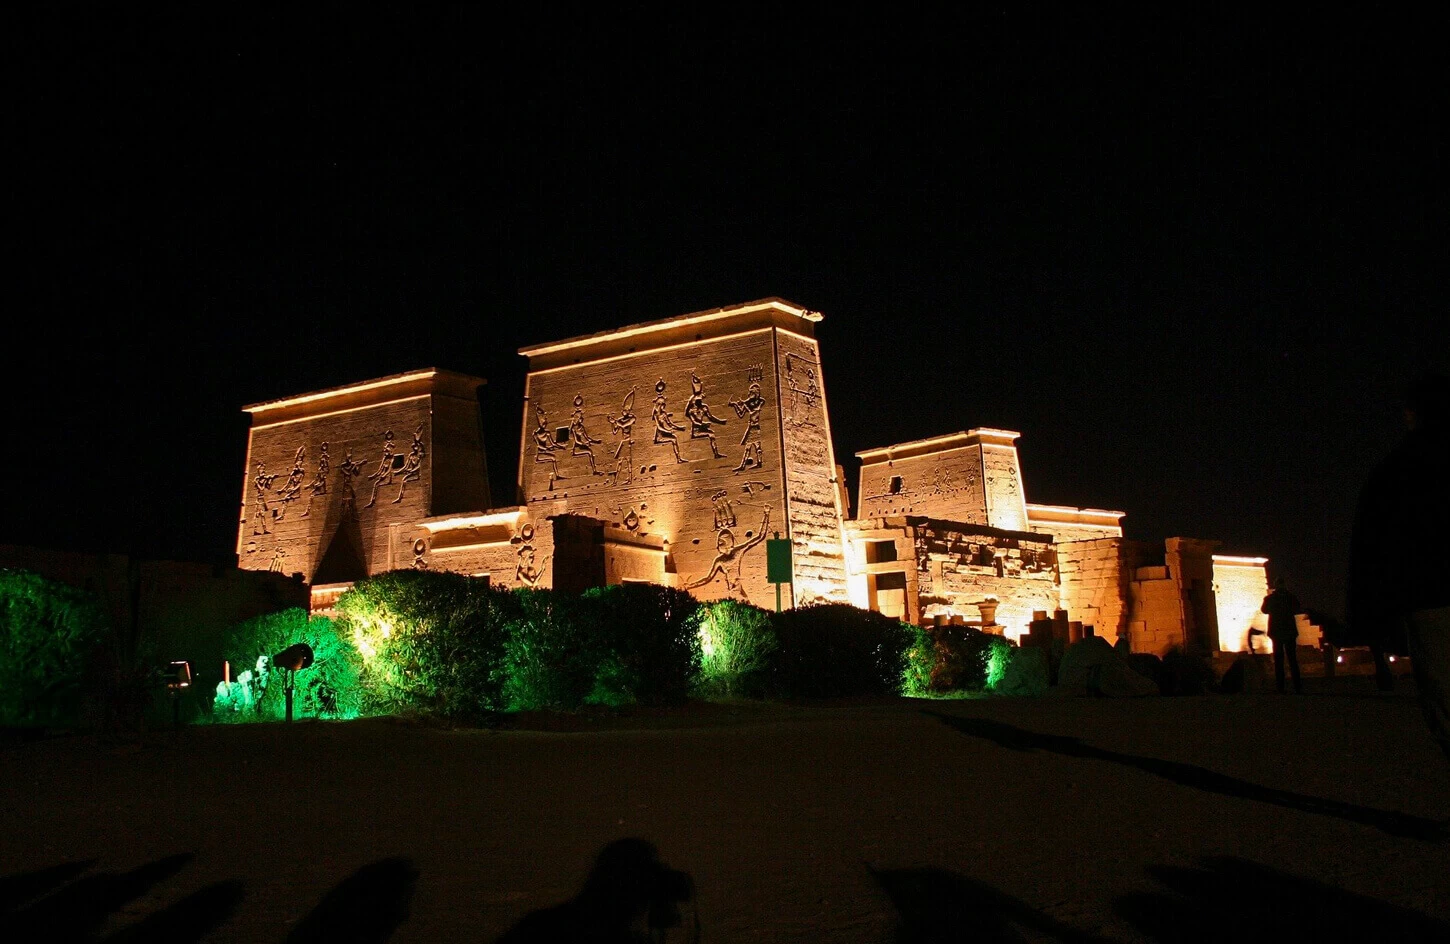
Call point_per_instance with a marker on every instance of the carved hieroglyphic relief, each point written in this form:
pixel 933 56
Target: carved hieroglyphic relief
pixel 350 468
pixel 724 513
pixel 318 485
pixel 545 446
pixel 583 442
pixel 278 562
pixel 412 468
pixel 384 474
pixel 697 411
pixel 291 489
pixel 664 420
pixel 528 571
pixel 261 511
pixel 420 550
pixel 622 427
pixel 751 456
pixel 800 378
pixel 729 556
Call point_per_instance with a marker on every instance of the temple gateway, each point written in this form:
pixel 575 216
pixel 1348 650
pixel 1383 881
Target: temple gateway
pixel 669 452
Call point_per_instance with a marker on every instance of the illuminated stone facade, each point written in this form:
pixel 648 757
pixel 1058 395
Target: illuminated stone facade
pixel 669 452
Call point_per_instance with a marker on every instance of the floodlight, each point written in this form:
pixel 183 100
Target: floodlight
pixel 177 676
pixel 289 662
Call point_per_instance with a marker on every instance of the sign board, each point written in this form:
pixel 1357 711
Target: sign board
pixel 777 560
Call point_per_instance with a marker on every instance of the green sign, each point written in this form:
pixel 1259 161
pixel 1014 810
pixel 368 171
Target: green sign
pixel 777 559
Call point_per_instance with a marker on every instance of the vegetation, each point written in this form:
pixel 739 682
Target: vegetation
pixel 50 635
pixel 328 689
pixel 737 643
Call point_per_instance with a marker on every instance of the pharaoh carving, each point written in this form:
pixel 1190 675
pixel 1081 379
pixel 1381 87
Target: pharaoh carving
pixel 545 446
pixel 412 468
pixel 291 489
pixel 729 557
pixel 749 408
pixel 583 442
pixel 622 426
pixel 350 468
pixel 384 474
pixel 665 425
pixel 318 485
pixel 697 411
pixel 260 512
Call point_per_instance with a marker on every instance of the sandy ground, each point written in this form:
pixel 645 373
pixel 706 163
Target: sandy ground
pixel 996 819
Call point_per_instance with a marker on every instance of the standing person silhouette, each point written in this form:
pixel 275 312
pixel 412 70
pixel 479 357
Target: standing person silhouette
pixel 1283 608
pixel 1399 562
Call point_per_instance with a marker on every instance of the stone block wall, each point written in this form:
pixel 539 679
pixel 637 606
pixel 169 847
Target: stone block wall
pixel 333 478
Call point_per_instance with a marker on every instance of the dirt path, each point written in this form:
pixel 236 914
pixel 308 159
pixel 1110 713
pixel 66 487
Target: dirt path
pixel 1160 819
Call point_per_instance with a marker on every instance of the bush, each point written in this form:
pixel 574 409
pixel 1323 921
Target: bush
pixel 329 688
pixel 837 649
pixel 645 640
pixel 549 659
pixel 963 659
pixel 430 642
pixel 49 632
pixel 737 643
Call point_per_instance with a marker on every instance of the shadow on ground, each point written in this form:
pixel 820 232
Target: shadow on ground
pixel 364 908
pixel 1200 778
pixel 58 904
pixel 630 896
pixel 1226 899
pixel 940 906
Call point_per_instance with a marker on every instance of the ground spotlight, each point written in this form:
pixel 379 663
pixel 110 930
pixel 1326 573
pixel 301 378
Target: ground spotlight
pixel 290 661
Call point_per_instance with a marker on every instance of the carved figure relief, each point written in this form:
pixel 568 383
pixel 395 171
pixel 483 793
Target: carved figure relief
pixel 749 408
pixel 800 377
pixel 544 446
pixel 697 411
pixel 526 572
pixel 729 557
pixel 350 468
pixel 318 485
pixel 665 425
pixel 260 510
pixel 412 468
pixel 279 560
pixel 291 489
pixel 622 427
pixel 583 442
pixel 386 468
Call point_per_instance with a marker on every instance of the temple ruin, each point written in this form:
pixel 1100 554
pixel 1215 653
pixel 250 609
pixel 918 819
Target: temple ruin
pixel 669 452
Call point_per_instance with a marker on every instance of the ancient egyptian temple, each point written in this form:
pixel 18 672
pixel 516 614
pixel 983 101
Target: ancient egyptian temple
pixel 669 452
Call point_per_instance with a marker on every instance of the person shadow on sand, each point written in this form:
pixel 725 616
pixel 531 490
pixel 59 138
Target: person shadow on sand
pixel 630 896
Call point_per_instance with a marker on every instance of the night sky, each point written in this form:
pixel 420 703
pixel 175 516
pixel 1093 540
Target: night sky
pixel 1195 263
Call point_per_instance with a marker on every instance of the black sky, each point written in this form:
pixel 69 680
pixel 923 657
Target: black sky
pixel 1193 262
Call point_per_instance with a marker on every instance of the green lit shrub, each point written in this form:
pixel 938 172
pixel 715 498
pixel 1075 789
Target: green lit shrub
pixel 645 642
pixel 964 658
pixel 550 659
pixel 920 663
pixel 737 642
pixel 429 642
pixel 838 649
pixel 329 688
pixel 49 632
pixel 999 653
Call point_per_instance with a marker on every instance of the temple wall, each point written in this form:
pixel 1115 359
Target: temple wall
pixel 630 440
pixel 1239 586
pixel 814 513
pixel 298 507
pixel 1095 584
pixel 946 485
